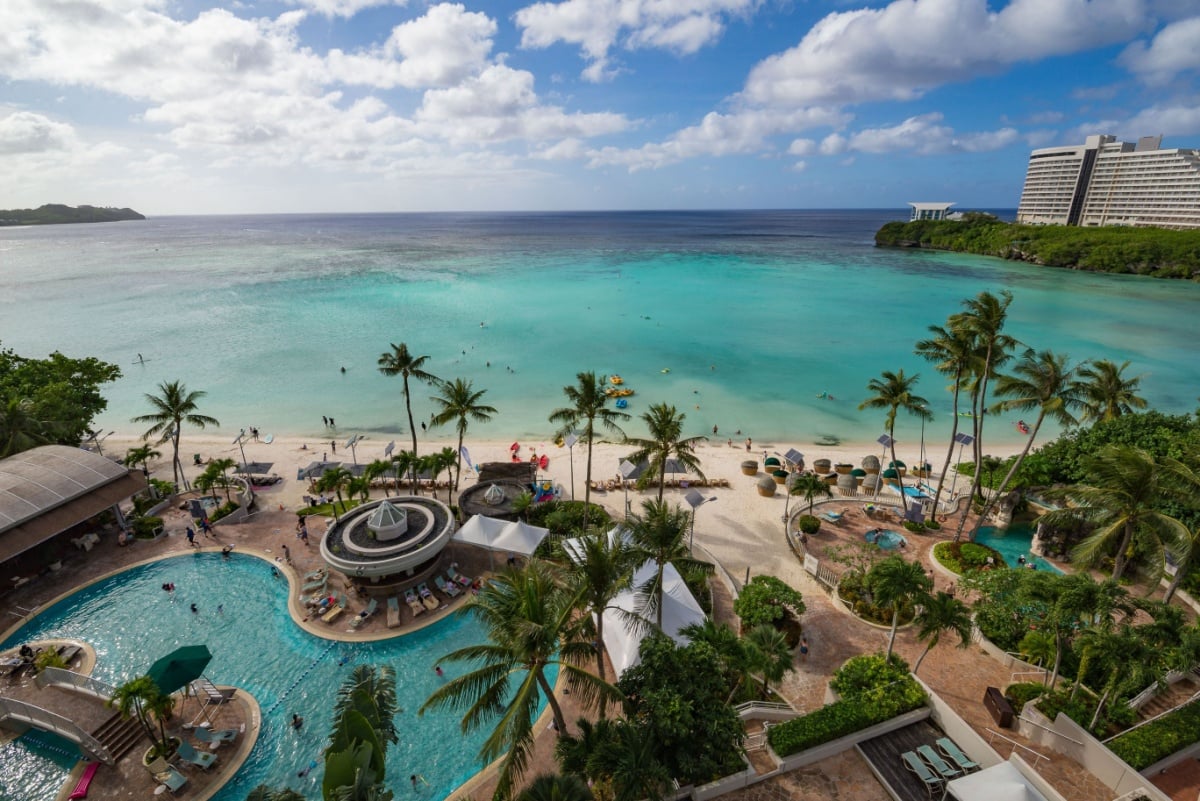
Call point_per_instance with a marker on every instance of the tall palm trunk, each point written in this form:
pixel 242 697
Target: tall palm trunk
pixel 413 430
pixel 176 466
pixel 1180 572
pixel 560 721
pixel 1012 471
pixel 937 494
pixel 587 487
pixel 458 459
pixel 977 408
pixel 1120 560
pixel 896 467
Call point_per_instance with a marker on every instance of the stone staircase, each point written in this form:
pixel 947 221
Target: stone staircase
pixel 1168 699
pixel 119 735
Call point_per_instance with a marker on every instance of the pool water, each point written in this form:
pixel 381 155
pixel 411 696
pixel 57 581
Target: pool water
pixel 886 540
pixel 1013 542
pixel 255 645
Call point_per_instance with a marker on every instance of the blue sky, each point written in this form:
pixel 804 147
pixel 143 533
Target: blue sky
pixel 189 107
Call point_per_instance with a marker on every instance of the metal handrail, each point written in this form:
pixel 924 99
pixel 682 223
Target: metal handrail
pixel 44 719
pixel 746 706
pixel 61 677
pixel 1039 672
pixel 1156 717
pixel 1015 745
pixel 1055 732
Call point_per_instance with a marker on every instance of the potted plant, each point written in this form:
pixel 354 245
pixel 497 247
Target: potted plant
pixel 142 699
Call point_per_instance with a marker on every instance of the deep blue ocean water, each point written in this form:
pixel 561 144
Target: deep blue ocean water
pixel 754 314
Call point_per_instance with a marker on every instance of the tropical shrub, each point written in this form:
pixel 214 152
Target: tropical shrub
pixel 1147 744
pixel 1023 692
pixel 224 510
pixel 809 524
pixel 566 517
pixel 962 557
pixel 876 691
pixel 145 528
pixel 767 599
pixel 854 590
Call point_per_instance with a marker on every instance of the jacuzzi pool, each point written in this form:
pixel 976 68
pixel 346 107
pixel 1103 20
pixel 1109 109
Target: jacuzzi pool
pixel 886 540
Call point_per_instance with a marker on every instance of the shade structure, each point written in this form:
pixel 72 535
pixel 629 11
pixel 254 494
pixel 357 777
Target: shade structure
pixel 890 473
pixel 897 463
pixel 574 546
pixel 623 638
pixel 673 466
pixel 252 468
pixel 180 667
pixel 480 530
pixel 520 537
pixel 1002 782
pixel 317 469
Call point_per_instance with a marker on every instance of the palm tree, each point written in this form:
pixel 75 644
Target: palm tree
pixel 459 402
pixel 363 728
pixel 359 487
pixel 528 613
pixel 982 322
pixel 666 440
pixel 398 361
pixel 142 455
pixel 222 466
pixel 174 406
pixel 894 391
pixel 334 480
pixel 1186 489
pixel 730 650
pixel 600 569
pixel 1125 661
pixel 20 428
pixel 435 463
pixel 659 534
pixel 1123 498
pixel 1037 646
pixel 952 352
pixel 142 699
pixel 897 583
pixel 555 787
pixel 1040 381
pixel 264 793
pixel 405 463
pixel 379 469
pixel 767 652
pixel 809 486
pixel 1106 393
pixel 940 613
pixel 589 407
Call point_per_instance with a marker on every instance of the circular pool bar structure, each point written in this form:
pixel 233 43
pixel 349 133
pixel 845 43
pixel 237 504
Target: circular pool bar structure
pixel 390 537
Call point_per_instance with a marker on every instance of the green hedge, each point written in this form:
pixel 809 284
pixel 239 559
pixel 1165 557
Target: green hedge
pixel 964 556
pixel 1023 692
pixel 1142 747
pixel 881 692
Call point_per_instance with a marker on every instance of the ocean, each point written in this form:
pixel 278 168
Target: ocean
pixel 770 323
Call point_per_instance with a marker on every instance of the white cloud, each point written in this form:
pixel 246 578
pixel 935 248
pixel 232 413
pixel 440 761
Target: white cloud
pixel 1175 49
pixel 833 145
pixel 924 135
pixel 1174 120
pixel 23 132
pixel 802 147
pixel 342 8
pixel 598 26
pixel 902 50
pixel 800 166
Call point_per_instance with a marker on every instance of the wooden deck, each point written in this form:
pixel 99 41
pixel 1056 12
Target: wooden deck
pixel 883 754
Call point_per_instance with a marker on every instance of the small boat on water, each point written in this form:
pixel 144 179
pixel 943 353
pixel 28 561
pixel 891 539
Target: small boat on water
pixel 1023 427
pixel 622 403
pixel 616 379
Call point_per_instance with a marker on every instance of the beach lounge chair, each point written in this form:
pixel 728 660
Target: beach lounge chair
pixel 935 761
pixel 316 586
pixel 410 597
pixel 170 778
pixel 314 575
pixel 334 612
pixel 208 736
pixel 952 752
pixel 833 517
pixel 393 613
pixel 427 596
pixel 463 581
pixel 365 614
pixel 918 768
pixel 201 759
pixel 449 588
pixel 67 653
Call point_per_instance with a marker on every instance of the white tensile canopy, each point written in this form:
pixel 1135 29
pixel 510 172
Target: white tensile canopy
pixel 480 530
pixel 1002 782
pixel 499 535
pixel 679 610
pixel 574 547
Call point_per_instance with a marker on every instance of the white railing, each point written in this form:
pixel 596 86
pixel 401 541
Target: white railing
pixel 44 719
pixel 86 685
pixel 749 706
pixel 1012 677
pixel 1016 745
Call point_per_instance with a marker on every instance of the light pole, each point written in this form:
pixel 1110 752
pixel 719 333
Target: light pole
pixel 695 500
pixel 570 439
pixel 241 437
pixel 962 440
pixel 886 442
pixel 351 443
pixel 923 409
pixel 98 436
pixel 627 469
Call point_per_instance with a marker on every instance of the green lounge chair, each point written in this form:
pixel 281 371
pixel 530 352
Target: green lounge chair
pixel 952 752
pixel 209 736
pixel 914 764
pixel 170 778
pixel 362 616
pixel 935 761
pixel 447 588
pixel 201 759
pixel 463 581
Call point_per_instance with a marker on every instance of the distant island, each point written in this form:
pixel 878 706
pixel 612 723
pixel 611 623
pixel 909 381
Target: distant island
pixel 1156 252
pixel 58 214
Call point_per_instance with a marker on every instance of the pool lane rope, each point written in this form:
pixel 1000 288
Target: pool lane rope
pixel 320 657
pixel 30 739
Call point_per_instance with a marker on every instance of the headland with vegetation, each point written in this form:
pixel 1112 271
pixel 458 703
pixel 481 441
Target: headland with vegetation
pixel 1156 252
pixel 58 214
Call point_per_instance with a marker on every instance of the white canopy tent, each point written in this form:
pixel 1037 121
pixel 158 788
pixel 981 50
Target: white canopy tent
pixel 574 547
pixel 480 530
pixel 520 537
pixel 679 610
pixel 1001 782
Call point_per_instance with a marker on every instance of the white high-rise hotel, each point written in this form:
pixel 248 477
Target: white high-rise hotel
pixel 1106 182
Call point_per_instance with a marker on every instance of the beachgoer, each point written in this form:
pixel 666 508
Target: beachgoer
pixel 714 430
pixel 287 554
pixel 305 771
pixel 324 419
pixel 512 559
pixel 423 425
pixel 225 551
pixel 1021 559
pixel 332 423
pixel 729 442
pixel 220 609
pixel 343 370
pixel 297 721
pixel 206 527
pixel 195 611
pixel 191 537
pixel 274 572
pixel 749 444
pixel 803 649
pixel 438 670
pixel 333 446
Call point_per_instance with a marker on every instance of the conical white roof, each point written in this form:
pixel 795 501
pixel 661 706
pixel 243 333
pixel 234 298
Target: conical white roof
pixel 387 521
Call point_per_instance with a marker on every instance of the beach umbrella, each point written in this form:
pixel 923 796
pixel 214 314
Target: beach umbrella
pixel 180 667
pixel 897 463
pixel 770 461
pixel 858 472
pixel 254 467
pixel 890 473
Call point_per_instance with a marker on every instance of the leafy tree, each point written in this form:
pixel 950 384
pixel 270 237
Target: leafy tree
pixel 941 613
pixel 522 504
pixel 665 441
pixel 400 362
pixel 459 402
pixel 61 391
pixel 1186 479
pixel 1121 498
pixel 767 599
pixel 621 758
pixel 659 534
pixel 767 652
pixel 529 614
pixel 588 406
pixel 334 480
pixel 551 787
pixel 808 486
pixel 675 692
pixel 600 570
pixel 1105 392
pixel 1038 647
pixel 141 698
pixel 731 652
pixel 894 391
pixel 174 406
pixel 897 583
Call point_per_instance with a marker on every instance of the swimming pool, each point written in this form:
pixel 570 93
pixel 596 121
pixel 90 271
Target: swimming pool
pixel 255 645
pixel 1012 542
pixel 886 540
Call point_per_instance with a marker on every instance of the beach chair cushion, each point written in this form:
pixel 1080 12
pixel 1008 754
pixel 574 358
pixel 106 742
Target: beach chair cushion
pixel 393 613
pixel 427 597
pixel 446 587
pixel 465 581
pixel 410 597
pixel 939 765
pixel 952 752
pixel 202 759
pixel 170 778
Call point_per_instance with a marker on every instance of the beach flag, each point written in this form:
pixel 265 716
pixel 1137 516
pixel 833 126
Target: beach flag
pixel 466 456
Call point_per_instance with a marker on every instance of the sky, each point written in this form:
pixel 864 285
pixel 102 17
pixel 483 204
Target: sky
pixel 276 106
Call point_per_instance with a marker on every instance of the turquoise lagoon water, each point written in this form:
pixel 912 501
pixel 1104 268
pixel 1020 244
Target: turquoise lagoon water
pixel 255 646
pixel 755 314
pixel 1012 542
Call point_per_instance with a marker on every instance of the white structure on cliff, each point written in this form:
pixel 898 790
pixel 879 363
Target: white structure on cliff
pixel 1106 182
